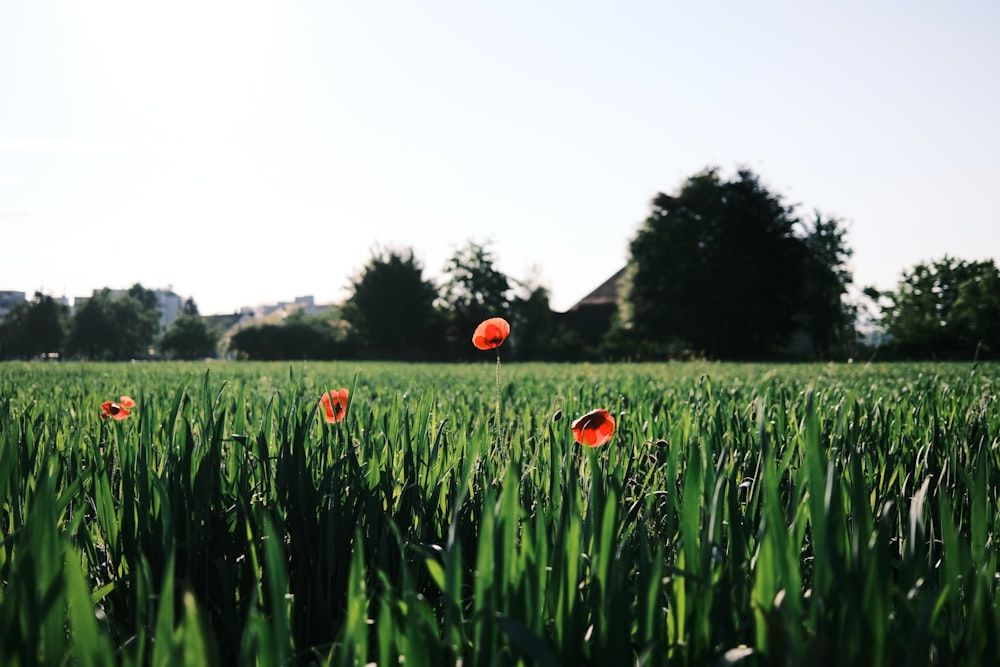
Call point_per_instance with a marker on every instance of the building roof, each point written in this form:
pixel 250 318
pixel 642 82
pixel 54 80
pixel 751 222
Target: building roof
pixel 605 294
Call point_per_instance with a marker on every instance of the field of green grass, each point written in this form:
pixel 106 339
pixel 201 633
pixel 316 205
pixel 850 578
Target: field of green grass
pixel 741 514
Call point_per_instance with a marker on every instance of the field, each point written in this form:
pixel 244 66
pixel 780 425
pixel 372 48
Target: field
pixel 741 514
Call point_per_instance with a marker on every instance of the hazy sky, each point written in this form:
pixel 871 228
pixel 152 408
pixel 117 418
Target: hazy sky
pixel 250 152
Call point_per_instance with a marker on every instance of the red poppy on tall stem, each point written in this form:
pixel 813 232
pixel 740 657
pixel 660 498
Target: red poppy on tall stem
pixel 594 428
pixel 491 333
pixel 334 405
pixel 119 410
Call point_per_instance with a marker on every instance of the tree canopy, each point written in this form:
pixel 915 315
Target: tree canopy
pixel 724 268
pixel 115 327
pixel 391 308
pixel 474 290
pixel 827 317
pixel 33 328
pixel 189 337
pixel 298 336
pixel 946 307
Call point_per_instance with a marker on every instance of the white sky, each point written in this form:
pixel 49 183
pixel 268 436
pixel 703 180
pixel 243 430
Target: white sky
pixel 250 152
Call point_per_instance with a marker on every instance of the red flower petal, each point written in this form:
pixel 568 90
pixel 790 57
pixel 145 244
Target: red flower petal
pixel 594 428
pixel 114 410
pixel 334 405
pixel 491 333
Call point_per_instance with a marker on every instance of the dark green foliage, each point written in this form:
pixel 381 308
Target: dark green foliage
pixel 297 337
pixel 115 327
pixel 474 290
pixel 827 318
pixel 720 270
pixel 189 307
pixel 539 334
pixel 946 308
pixel 188 337
pixel 976 311
pixel 33 328
pixel 391 309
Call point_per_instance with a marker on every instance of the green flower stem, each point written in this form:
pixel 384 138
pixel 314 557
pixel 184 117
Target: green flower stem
pixel 497 416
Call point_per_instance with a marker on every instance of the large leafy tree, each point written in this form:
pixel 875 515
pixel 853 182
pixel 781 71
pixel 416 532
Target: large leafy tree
pixel 474 290
pixel 299 336
pixel 92 332
pixel 189 307
pixel 391 308
pixel 113 325
pixel 716 269
pixel 977 310
pixel 537 332
pixel 34 327
pixel 945 307
pixel 827 317
pixel 189 337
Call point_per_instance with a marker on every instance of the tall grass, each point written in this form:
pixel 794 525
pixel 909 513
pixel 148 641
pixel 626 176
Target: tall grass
pixel 741 514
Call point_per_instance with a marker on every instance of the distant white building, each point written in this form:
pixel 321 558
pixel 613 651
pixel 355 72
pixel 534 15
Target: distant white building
pixel 168 302
pixel 9 299
pixel 170 305
pixel 78 303
pixel 283 309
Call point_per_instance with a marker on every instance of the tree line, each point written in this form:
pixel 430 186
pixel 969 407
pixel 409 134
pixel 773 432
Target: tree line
pixel 395 311
pixel 723 268
pixel 107 326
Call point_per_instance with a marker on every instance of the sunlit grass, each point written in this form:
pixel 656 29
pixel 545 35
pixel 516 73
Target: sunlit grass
pixel 828 514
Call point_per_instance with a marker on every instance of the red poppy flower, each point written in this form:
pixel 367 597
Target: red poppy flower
pixel 594 428
pixel 117 411
pixel 334 405
pixel 491 333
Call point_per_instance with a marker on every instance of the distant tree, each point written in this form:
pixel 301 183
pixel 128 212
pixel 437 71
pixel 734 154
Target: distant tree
pixel 944 308
pixel 297 337
pixel 189 307
pixel 977 310
pixel 533 325
pixel 716 269
pixel 391 309
pixel 827 317
pixel 115 327
pixel 256 343
pixel 34 327
pixel 146 298
pixel 92 332
pixel 189 337
pixel 15 341
pixel 474 290
pixel 538 333
pixel 137 314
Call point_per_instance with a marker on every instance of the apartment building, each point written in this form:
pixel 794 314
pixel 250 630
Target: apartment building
pixel 9 299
